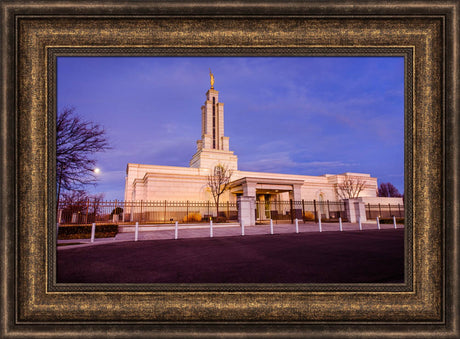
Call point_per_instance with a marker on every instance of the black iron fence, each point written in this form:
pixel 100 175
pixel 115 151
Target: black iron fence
pixel 302 210
pixel 384 211
pixel 87 212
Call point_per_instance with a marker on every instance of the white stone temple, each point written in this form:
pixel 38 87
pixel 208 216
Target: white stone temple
pixel 154 183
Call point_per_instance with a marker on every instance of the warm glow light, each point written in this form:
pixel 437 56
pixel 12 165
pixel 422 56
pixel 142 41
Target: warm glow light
pixel 97 170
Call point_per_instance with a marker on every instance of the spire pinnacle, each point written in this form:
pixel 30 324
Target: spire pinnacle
pixel 212 79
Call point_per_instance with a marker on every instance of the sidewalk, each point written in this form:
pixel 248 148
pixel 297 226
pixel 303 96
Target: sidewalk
pixel 189 231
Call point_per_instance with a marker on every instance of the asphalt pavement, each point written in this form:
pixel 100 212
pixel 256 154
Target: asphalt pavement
pixel 310 256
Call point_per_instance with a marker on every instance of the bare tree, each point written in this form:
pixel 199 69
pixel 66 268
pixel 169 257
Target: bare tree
pixel 75 201
pixel 218 182
pixel 80 202
pixel 76 143
pixel 349 188
pixel 387 189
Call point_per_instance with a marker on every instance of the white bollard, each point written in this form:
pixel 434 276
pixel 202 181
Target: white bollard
pixel 360 226
pixel 136 232
pixel 242 228
pixel 340 224
pixel 176 231
pixel 296 225
pixel 93 232
pixel 210 229
pixel 394 221
pixel 320 226
pixel 271 226
pixel 378 223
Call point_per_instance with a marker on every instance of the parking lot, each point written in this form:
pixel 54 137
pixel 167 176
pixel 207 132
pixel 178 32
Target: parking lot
pixel 352 256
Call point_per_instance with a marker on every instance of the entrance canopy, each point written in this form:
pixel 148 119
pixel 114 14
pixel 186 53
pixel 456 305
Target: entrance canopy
pixel 252 186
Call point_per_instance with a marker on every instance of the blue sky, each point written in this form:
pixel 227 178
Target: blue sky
pixel 297 115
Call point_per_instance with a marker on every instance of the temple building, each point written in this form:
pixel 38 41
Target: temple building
pixel 154 183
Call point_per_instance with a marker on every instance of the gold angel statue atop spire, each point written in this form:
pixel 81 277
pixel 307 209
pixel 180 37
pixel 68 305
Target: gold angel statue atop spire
pixel 212 79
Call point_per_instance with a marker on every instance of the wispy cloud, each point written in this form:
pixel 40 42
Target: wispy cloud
pixel 274 162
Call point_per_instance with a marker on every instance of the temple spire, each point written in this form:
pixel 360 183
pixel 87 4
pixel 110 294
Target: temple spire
pixel 213 147
pixel 212 79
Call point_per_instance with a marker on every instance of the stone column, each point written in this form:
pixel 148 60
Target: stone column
pixel 247 210
pixel 261 203
pixel 249 189
pixel 361 208
pixel 296 196
pixel 355 209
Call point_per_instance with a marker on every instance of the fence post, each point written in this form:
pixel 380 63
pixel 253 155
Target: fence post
pixel 115 211
pixel 87 209
pixel 394 221
pixel 340 224
pixel 303 210
pixel 378 223
pixel 176 231
pixel 399 208
pixel 208 210
pixel 292 211
pixel 296 225
pixel 164 219
pixel 328 210
pixel 319 221
pixel 210 229
pixel 360 226
pixel 389 208
pixel 59 216
pixel 228 211
pixel 131 210
pixel 93 232
pixel 271 226
pixel 242 227
pixel 141 212
pixel 369 210
pixel 186 220
pixel 314 206
pixel 380 210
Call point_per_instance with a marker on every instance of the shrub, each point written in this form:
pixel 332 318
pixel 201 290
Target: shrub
pixel 192 217
pixel 84 231
pixel 117 210
pixel 331 220
pixel 309 216
pixel 221 219
pixel 390 220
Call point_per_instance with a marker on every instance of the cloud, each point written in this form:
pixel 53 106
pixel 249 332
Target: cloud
pixel 283 161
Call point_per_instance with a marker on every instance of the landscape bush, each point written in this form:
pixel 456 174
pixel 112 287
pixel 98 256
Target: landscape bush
pixel 117 210
pixel 308 216
pixel 221 219
pixel 192 217
pixel 390 220
pixel 84 231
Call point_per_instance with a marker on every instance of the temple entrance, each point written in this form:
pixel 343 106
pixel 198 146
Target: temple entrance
pixel 263 207
pixel 270 198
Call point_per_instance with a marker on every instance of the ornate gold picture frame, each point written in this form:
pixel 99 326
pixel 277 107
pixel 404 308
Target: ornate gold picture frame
pixel 426 34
